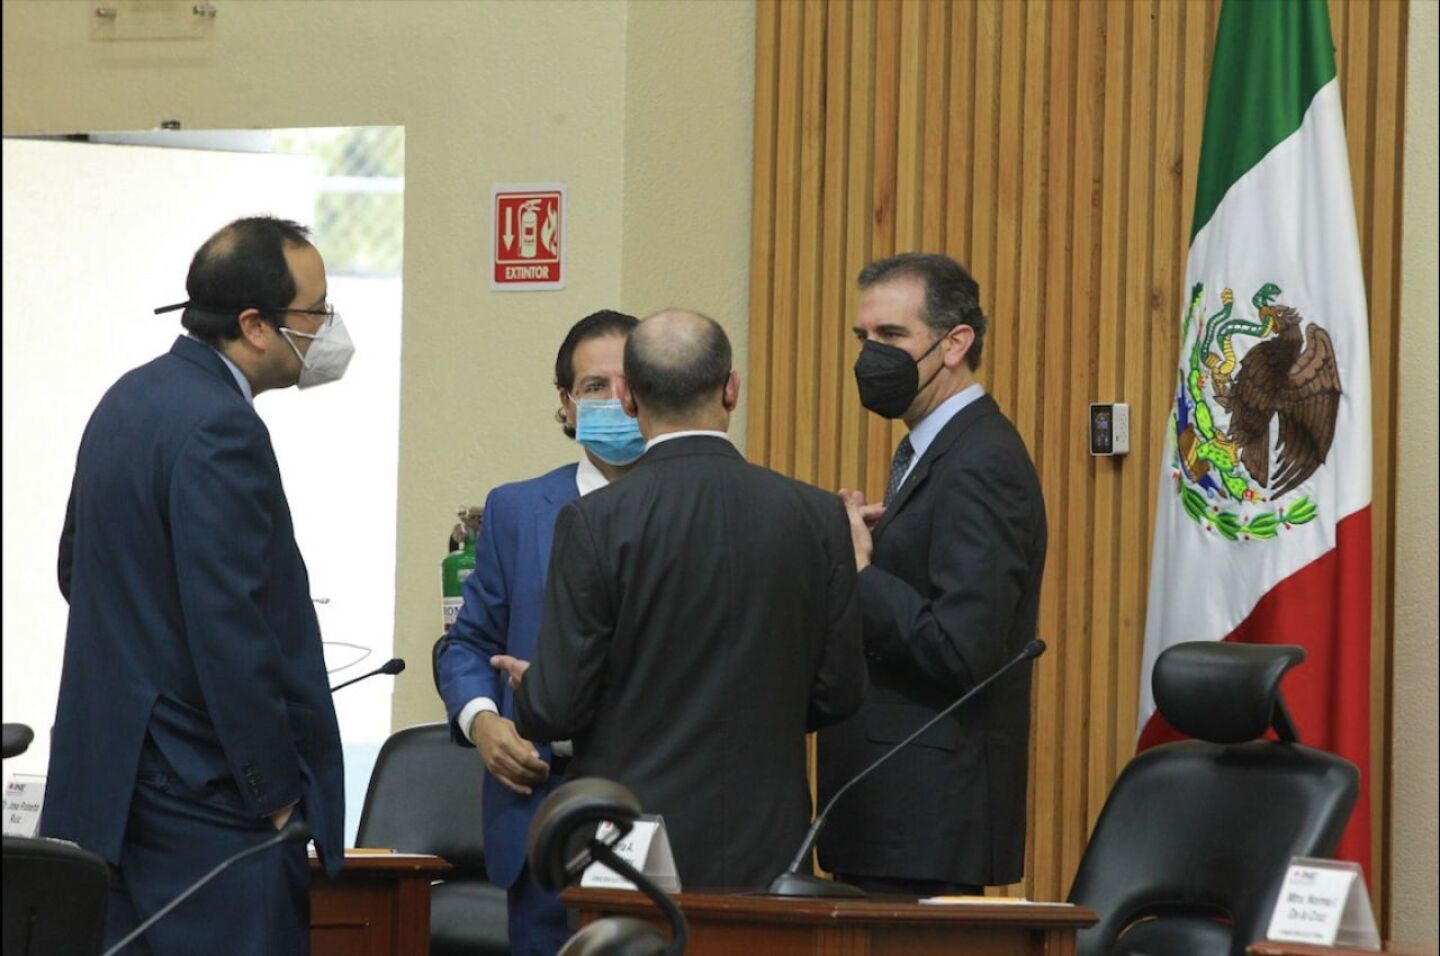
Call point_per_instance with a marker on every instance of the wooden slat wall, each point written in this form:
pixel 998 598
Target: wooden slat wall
pixel 1051 145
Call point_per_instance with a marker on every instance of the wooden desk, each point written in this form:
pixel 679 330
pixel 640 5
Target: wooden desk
pixel 379 905
pixel 1268 948
pixel 768 926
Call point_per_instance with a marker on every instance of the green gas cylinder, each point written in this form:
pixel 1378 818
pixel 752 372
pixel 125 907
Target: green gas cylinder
pixel 457 566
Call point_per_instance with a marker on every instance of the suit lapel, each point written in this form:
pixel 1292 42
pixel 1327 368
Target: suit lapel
pixel 557 494
pixel 957 426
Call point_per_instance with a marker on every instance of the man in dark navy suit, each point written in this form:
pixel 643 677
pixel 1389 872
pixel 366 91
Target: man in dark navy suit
pixel 501 616
pixel 194 717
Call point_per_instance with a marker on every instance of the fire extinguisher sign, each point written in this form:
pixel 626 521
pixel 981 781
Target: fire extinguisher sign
pixel 528 237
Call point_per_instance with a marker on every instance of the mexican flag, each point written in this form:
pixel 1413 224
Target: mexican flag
pixel 1262 530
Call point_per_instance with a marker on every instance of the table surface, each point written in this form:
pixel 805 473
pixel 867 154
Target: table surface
pixel 1268 948
pixel 743 906
pixel 378 863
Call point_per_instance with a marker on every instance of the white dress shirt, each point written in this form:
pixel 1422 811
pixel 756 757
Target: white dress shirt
pixel 690 434
pixel 923 434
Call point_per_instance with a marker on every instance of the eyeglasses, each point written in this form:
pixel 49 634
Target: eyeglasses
pixel 328 313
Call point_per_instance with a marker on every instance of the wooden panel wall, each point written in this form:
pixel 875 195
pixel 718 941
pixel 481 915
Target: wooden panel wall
pixel 1051 146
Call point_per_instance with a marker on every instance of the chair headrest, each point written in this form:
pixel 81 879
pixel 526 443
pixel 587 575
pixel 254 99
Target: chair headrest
pixel 571 807
pixel 17 739
pixel 1222 692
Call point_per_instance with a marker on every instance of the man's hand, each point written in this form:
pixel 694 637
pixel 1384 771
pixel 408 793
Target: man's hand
pixel 511 758
pixel 863 519
pixel 512 666
pixel 281 817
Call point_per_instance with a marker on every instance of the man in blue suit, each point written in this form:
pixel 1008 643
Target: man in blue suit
pixel 501 616
pixel 194 718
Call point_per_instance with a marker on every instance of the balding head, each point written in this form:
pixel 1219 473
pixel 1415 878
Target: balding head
pixel 677 364
pixel 240 267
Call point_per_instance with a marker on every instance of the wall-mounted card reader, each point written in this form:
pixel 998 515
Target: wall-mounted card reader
pixel 1109 428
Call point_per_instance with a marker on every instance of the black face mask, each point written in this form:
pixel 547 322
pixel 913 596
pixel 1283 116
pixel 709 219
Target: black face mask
pixel 888 378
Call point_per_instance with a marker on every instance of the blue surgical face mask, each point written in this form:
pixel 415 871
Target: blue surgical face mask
pixel 603 428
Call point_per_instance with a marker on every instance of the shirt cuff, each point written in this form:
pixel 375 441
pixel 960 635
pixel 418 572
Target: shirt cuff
pixel 470 711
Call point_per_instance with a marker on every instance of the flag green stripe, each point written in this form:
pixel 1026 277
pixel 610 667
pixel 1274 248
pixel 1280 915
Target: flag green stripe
pixel 1271 58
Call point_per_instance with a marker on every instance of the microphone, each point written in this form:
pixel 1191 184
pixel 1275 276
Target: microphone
pixel 794 883
pixel 393 666
pixel 296 831
pixel 17 739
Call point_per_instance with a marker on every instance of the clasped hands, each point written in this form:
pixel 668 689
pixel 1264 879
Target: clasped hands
pixel 863 519
pixel 511 758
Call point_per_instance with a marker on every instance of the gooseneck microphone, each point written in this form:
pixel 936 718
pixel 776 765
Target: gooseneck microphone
pixel 393 666
pixel 794 883
pixel 17 739
pixel 296 831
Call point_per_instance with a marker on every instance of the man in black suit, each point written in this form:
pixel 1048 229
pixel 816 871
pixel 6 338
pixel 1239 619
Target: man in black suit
pixel 950 568
pixel 700 616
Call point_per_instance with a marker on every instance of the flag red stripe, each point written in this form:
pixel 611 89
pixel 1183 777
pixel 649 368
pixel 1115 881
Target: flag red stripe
pixel 1325 608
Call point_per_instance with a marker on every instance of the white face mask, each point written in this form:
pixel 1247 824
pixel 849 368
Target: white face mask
pixel 329 353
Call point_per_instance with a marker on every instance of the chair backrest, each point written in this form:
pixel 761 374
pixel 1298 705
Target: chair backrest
pixel 1203 828
pixel 563 843
pixel 435 662
pixel 55 898
pixel 425 797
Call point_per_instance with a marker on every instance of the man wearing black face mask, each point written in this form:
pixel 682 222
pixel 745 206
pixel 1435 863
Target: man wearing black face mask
pixel 950 566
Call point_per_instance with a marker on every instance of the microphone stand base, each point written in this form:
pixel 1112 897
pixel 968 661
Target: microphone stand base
pixel 805 885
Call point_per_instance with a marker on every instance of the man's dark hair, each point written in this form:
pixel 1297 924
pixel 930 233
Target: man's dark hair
pixel 594 326
pixel 241 267
pixel 952 296
pixel 673 373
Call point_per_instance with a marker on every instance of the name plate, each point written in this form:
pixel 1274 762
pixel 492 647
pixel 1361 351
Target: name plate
pixel 646 847
pixel 24 796
pixel 1324 903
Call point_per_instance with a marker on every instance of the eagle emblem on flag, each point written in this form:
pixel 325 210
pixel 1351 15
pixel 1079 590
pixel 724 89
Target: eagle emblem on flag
pixel 1243 372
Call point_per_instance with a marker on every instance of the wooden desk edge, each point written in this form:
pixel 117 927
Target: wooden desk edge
pixel 737 906
pixel 364 863
pixel 1268 948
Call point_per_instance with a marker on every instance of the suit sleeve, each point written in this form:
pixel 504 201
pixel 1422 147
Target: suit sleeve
pixel 560 691
pixel 462 666
pixel 842 677
pixel 955 635
pixel 66 562
pixel 223 493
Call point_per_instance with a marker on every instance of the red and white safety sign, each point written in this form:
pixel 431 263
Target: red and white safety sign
pixel 527 237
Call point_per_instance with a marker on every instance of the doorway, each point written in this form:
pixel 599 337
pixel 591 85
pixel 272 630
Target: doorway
pixel 99 230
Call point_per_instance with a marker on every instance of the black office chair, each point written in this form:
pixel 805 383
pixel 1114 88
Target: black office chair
pixel 1194 840
pixel 55 893
pixel 425 797
pixel 435 661
pixel 562 845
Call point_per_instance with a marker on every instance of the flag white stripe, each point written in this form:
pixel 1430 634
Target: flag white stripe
pixel 1290 220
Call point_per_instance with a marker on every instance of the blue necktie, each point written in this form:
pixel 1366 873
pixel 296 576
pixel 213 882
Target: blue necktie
pixel 904 454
